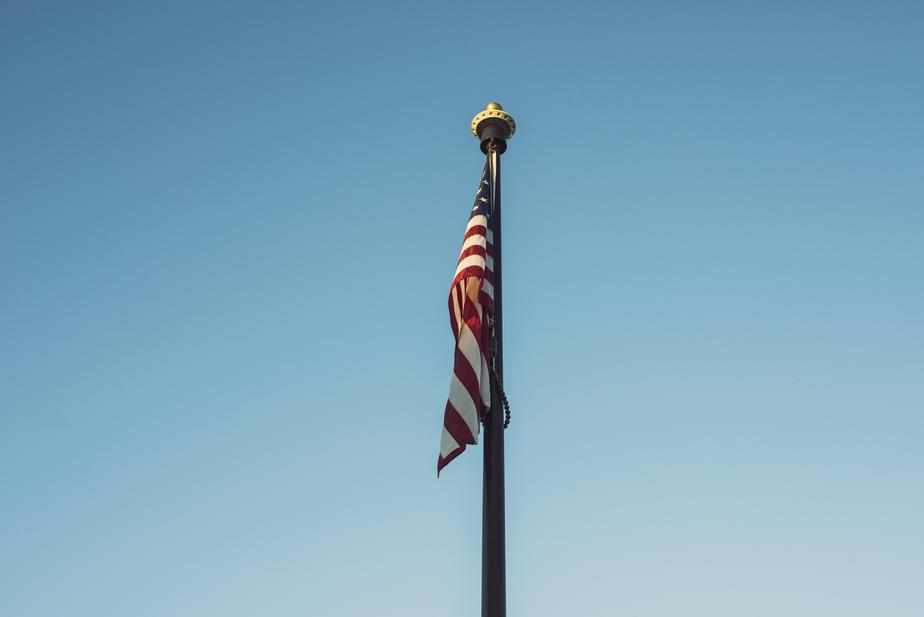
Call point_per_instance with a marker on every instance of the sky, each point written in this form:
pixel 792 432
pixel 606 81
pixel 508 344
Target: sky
pixel 227 233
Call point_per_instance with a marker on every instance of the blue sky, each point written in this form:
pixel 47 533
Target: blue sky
pixel 228 232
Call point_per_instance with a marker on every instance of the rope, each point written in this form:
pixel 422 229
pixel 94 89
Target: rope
pixel 498 385
pixel 502 396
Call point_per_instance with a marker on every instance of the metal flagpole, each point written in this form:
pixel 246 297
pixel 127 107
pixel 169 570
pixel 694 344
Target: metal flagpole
pixel 494 127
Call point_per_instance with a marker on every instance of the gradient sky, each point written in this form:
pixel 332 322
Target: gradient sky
pixel 228 232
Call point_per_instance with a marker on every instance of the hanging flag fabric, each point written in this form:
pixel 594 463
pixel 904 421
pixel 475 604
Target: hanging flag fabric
pixel 471 303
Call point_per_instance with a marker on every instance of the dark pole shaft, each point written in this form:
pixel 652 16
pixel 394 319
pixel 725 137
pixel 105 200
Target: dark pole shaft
pixel 493 567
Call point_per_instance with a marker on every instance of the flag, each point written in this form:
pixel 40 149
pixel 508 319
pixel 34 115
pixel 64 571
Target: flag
pixel 471 304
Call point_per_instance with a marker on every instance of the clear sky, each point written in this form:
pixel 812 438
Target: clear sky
pixel 227 233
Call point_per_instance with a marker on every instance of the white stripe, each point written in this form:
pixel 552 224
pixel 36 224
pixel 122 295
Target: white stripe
pixel 490 233
pixel 462 401
pixel 455 306
pixel 447 444
pixel 471 260
pixel 489 262
pixel 478 220
pixel 469 346
pixel 476 240
pixel 488 288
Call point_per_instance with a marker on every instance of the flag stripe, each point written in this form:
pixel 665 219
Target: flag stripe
pixel 457 429
pixel 465 405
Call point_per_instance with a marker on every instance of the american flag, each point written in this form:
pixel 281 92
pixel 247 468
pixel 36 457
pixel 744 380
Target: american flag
pixel 471 303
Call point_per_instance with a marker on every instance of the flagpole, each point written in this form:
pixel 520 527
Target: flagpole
pixel 493 127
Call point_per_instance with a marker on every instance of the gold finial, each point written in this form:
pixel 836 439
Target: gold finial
pixel 495 113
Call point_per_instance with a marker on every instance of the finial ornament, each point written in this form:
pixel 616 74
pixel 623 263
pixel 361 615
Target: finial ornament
pixel 494 114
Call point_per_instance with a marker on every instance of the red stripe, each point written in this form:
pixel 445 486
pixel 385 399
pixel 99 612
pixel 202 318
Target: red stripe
pixel 457 427
pixel 474 270
pixel 452 311
pixel 475 249
pixel 473 230
pixel 469 379
pixel 486 301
